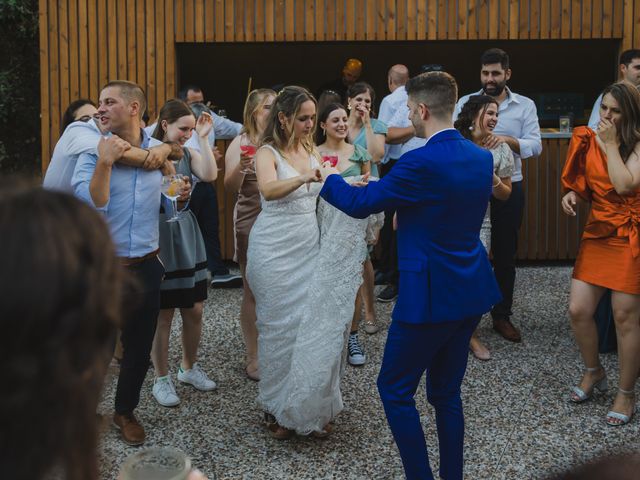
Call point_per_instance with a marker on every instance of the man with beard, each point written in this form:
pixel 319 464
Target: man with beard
pixel 517 127
pixel 629 66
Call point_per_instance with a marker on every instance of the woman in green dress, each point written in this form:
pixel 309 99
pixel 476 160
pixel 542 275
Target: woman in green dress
pixel 365 131
pixel 352 160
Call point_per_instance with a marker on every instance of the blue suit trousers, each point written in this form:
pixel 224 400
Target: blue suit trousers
pixel 441 350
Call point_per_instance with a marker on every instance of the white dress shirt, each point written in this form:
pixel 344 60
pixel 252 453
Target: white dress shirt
pixel 401 120
pixel 78 138
pixel 388 108
pixel 517 118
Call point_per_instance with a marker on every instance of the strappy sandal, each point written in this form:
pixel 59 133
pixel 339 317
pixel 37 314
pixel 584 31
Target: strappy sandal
pixel 371 326
pixel 616 419
pixel 578 395
pixel 325 432
pixel 275 430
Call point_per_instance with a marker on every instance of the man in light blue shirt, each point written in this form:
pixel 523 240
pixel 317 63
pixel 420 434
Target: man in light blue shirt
pixel 629 66
pixel 517 127
pixel 399 131
pixel 129 198
pixel 83 137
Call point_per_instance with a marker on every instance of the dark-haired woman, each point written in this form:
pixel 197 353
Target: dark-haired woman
pixel 353 161
pixel 183 254
pixel 57 355
pixel 365 131
pixel 603 168
pixel 81 110
pixel 476 122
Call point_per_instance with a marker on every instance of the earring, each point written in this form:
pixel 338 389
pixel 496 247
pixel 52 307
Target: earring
pixel 471 127
pixel 324 131
pixel 282 126
pixel 349 106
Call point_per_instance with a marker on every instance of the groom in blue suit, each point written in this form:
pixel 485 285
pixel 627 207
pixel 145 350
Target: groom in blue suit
pixel 440 192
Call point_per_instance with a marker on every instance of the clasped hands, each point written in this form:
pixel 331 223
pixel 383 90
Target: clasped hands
pixel 321 174
pixel 112 149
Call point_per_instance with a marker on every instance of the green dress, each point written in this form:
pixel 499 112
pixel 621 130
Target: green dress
pixel 359 156
pixel 379 127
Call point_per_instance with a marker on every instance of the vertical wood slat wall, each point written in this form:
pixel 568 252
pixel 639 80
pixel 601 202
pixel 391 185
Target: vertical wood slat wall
pixel 85 43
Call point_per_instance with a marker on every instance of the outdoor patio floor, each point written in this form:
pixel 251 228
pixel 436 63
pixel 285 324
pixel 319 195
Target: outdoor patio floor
pixel 519 423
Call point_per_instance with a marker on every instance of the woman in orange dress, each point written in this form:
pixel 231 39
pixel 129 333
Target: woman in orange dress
pixel 603 168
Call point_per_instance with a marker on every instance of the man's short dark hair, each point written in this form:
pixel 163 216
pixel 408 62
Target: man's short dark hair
pixel 182 94
pixel 437 90
pixel 495 55
pixel 130 91
pixel 628 56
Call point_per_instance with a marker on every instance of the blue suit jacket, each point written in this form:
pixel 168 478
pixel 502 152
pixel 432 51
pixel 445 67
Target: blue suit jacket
pixel 441 192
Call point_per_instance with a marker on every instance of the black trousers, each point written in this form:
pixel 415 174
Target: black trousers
pixel 204 205
pixel 388 241
pixel 506 218
pixel 142 305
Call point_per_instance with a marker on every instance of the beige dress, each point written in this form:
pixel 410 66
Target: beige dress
pixel 244 215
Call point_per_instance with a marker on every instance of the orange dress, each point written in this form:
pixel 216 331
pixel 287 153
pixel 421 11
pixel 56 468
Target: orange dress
pixel 609 253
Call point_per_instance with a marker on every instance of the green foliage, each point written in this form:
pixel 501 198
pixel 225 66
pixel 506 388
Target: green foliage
pixel 19 87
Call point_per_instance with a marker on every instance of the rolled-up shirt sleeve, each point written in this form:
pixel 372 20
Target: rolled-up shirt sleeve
pixel 81 180
pixel 530 141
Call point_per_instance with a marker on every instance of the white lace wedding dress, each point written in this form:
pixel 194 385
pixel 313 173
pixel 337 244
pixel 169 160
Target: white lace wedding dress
pixel 304 266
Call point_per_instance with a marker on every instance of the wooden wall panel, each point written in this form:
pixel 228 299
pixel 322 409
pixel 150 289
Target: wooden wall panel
pixel 85 43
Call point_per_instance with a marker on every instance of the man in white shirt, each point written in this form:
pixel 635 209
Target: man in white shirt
pixel 517 127
pixel 83 137
pixel 629 70
pixel 388 270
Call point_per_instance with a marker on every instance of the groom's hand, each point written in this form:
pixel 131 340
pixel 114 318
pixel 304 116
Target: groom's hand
pixel 326 169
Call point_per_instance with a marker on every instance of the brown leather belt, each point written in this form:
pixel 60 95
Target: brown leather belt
pixel 127 262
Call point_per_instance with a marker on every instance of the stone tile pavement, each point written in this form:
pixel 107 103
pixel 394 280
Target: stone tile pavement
pixel 519 424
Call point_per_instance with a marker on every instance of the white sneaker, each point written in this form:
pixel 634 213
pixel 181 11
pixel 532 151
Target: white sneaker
pixel 164 392
pixel 197 378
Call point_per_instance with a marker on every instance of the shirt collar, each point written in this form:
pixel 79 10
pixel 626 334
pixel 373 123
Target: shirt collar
pixel 438 132
pixel 511 97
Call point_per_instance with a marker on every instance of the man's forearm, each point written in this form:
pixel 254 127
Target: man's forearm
pixel 396 135
pixel 99 185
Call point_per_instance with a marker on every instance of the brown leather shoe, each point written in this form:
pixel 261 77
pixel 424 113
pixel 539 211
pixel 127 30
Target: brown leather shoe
pixel 505 328
pixel 130 429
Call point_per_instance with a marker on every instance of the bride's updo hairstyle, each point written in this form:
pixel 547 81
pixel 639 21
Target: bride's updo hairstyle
pixel 288 101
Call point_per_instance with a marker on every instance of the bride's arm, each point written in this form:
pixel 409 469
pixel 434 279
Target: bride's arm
pixel 270 187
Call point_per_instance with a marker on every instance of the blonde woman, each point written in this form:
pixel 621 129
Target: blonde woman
pixel 240 176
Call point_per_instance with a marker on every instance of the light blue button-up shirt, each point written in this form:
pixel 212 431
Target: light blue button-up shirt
pixel 132 211
pixel 518 118
pixel 78 138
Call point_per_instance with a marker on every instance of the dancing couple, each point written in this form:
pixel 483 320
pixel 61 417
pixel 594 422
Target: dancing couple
pixel 305 278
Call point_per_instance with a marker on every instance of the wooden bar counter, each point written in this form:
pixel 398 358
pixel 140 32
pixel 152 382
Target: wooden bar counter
pixel 548 234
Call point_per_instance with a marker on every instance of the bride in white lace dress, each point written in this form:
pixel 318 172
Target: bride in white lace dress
pixel 303 273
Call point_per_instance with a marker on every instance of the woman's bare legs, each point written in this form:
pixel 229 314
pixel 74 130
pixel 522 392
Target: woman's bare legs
pixel 583 301
pixel 368 297
pixel 160 349
pixel 191 333
pixel 248 326
pixel 626 314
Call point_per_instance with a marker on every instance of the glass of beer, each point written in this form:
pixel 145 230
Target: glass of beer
pixel 157 463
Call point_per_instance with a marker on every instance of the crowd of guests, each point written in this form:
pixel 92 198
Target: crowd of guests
pixel 305 267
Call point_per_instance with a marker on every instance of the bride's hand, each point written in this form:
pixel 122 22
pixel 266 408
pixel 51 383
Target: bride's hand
pixel 312 176
pixel 326 169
